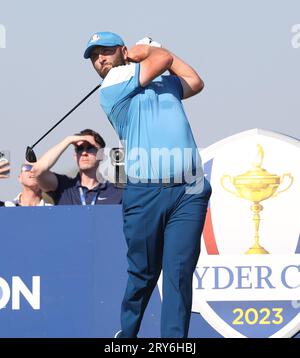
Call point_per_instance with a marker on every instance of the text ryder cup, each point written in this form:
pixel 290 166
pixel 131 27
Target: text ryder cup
pixel 247 277
pixel 13 290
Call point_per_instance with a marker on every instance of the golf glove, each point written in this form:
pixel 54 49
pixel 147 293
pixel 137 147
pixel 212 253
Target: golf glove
pixel 148 41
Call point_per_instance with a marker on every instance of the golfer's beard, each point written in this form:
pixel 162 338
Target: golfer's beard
pixel 105 71
pixel 118 62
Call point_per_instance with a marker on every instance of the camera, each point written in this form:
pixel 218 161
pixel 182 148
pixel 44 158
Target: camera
pixel 117 156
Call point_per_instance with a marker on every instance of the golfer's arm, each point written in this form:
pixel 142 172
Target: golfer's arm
pixel 41 169
pixel 190 80
pixel 153 62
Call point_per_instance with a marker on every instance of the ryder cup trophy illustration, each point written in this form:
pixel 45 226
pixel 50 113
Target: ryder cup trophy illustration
pixel 256 185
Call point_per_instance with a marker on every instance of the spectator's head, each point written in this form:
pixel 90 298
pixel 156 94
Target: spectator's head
pixel 86 151
pixel 27 179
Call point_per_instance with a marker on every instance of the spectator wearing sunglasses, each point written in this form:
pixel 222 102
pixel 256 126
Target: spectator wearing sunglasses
pixel 31 194
pixel 86 188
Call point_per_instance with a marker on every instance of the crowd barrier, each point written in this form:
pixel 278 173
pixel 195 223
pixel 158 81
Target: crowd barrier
pixel 63 274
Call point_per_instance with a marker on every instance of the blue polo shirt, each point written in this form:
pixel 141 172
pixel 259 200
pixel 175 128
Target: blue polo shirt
pixel 152 123
pixel 68 192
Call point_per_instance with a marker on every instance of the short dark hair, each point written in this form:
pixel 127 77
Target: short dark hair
pixel 95 135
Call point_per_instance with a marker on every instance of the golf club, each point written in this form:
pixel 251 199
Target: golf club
pixel 30 155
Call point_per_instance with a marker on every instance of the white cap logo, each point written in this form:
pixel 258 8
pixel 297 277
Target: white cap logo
pixel 95 38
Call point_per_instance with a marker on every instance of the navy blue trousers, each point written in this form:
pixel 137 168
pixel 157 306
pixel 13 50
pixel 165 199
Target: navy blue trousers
pixel 162 226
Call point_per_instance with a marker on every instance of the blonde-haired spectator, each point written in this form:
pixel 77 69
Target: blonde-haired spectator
pixel 31 194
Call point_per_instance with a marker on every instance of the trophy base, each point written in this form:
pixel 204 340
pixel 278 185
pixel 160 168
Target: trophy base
pixel 256 250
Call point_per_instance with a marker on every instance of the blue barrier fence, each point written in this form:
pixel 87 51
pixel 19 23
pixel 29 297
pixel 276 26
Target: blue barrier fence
pixel 78 255
pixel 72 259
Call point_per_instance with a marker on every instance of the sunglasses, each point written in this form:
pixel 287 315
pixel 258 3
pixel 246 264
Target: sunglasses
pixel 89 149
pixel 26 168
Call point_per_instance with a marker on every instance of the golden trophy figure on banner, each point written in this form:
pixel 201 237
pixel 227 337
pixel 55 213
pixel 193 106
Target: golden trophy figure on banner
pixel 256 185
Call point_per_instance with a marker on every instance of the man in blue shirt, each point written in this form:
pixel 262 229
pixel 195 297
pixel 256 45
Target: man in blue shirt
pixel 86 188
pixel 166 196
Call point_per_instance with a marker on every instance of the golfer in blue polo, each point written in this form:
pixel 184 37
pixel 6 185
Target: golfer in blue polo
pixel 166 195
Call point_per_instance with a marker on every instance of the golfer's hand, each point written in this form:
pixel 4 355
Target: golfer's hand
pixel 4 169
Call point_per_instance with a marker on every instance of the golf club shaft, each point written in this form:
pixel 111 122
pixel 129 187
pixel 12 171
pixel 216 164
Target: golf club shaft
pixel 64 117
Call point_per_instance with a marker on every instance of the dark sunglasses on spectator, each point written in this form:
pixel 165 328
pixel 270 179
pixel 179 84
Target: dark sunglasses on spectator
pixel 89 149
pixel 26 168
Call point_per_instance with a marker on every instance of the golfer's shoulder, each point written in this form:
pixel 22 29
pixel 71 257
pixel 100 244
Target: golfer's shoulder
pixel 119 74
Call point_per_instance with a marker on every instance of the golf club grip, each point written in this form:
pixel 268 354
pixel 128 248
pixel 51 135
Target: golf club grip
pixel 65 116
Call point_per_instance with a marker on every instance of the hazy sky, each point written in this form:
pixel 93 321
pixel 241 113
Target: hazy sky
pixel 242 49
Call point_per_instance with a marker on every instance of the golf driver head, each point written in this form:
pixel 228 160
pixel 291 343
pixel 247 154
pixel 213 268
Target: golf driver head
pixel 30 155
